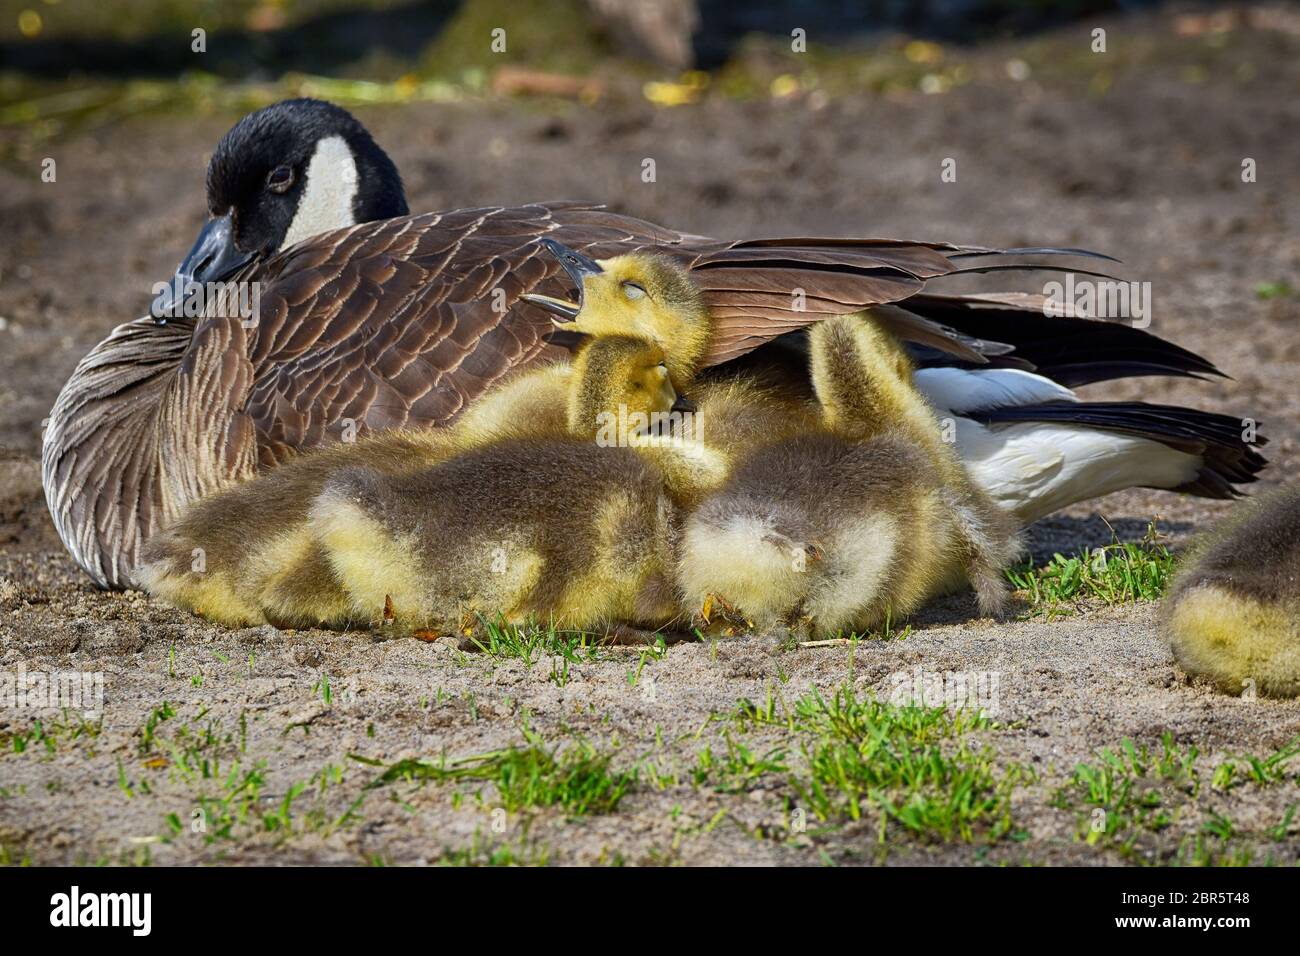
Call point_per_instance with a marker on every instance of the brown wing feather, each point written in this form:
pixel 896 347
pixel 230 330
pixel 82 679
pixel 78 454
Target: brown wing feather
pixel 916 260
pixel 408 321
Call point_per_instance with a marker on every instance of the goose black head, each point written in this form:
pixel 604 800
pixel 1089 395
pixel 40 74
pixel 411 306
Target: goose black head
pixel 289 171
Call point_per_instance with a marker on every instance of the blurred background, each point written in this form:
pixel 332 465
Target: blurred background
pixel 1117 126
pixel 66 63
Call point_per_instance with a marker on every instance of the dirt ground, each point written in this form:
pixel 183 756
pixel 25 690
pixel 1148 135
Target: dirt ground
pixel 1144 163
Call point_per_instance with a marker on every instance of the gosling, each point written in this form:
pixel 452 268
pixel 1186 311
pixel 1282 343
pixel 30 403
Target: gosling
pixel 858 523
pixel 651 296
pixel 1233 613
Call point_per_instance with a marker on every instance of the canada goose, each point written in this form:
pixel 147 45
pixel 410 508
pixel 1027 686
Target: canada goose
pixel 622 394
pixel 865 385
pixel 1233 613
pixel 821 534
pixel 425 529
pixel 370 319
pixel 641 294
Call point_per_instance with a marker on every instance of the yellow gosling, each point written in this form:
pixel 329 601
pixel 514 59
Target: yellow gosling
pixel 1233 613
pixel 575 529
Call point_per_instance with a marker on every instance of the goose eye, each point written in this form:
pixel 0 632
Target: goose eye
pixel 280 179
pixel 632 290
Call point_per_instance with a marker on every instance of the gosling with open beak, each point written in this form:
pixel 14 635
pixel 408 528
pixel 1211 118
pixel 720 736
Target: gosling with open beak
pixel 578 267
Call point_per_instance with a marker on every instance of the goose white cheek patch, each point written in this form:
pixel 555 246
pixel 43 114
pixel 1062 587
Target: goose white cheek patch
pixel 327 199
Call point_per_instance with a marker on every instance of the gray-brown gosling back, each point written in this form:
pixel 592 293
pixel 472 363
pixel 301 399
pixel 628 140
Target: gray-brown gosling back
pixel 1233 613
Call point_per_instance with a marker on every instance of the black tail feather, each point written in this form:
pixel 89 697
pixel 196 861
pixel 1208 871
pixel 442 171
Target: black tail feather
pixel 1070 350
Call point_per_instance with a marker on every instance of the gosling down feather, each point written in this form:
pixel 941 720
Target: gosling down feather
pixel 1233 613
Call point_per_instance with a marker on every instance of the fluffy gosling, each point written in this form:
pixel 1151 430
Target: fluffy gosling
pixel 1233 613
pixel 860 520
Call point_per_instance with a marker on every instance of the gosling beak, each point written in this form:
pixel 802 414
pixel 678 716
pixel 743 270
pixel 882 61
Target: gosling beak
pixel 683 404
pixel 550 303
pixel 578 266
pixel 213 258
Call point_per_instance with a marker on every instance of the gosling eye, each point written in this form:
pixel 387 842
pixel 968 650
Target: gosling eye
pixel 280 179
pixel 632 290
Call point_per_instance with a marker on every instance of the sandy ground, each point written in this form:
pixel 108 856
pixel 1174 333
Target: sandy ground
pixel 1148 170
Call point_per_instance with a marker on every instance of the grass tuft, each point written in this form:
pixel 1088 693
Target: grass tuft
pixel 913 765
pixel 535 643
pixel 577 778
pixel 1127 792
pixel 1135 801
pixel 846 757
pixel 1119 573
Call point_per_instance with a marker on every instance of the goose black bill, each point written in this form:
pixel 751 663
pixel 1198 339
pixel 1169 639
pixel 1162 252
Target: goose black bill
pixel 578 267
pixel 213 258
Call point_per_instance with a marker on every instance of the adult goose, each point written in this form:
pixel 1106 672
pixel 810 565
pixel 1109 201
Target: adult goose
pixel 369 318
